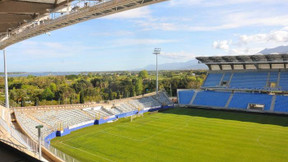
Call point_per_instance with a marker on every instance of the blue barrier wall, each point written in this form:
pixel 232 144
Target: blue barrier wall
pixel 102 121
pixel 83 126
pixel 50 137
pixel 123 115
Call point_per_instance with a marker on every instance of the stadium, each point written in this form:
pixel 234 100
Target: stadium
pixel 238 114
pixel 242 96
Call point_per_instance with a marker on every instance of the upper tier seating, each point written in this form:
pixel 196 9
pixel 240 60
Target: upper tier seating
pixel 213 80
pixel 249 80
pixel 283 83
pixel 255 80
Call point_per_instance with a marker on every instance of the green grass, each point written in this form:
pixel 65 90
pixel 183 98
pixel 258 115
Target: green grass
pixel 183 134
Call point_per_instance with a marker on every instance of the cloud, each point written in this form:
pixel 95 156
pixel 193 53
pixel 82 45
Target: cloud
pixel 131 14
pixel 244 51
pixel 225 20
pixel 252 44
pixel 222 44
pixel 280 36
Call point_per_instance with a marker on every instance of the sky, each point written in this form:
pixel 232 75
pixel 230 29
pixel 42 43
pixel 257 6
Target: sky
pixel 183 29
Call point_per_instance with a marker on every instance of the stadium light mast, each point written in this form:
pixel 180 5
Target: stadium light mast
pixel 157 52
pixel 6 80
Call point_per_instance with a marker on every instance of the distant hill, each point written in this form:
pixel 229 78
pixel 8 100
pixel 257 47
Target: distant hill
pixel 194 65
pixel 276 50
pixel 189 65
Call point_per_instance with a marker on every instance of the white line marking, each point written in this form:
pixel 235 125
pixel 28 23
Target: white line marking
pixel 87 152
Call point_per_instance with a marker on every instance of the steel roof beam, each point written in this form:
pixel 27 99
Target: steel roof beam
pixel 83 14
pixel 24 7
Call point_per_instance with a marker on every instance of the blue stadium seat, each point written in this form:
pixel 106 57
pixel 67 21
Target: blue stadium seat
pixel 213 80
pixel 241 100
pixel 281 104
pixel 249 80
pixel 184 97
pixel 283 80
pixel 273 76
pixel 227 77
pixel 211 98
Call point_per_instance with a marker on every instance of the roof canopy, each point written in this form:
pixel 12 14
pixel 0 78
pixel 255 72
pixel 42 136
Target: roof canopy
pixel 14 13
pixel 241 62
pixel 23 19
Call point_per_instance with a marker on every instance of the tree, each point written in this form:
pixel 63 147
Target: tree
pixel 111 97
pixel 143 74
pixel 82 97
pixel 36 102
pixel 22 102
pixel 48 94
pixel 139 86
pixel 53 87
pixel 81 85
pixel 132 91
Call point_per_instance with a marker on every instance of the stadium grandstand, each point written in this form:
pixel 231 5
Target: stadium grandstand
pixel 257 83
pixel 61 120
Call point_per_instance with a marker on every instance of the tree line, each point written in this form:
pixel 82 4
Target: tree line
pixel 95 87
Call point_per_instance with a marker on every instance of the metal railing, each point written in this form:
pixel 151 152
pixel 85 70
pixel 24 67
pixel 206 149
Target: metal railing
pixel 21 138
pixel 60 154
pixel 19 147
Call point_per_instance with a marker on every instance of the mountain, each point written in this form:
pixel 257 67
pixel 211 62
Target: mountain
pixel 276 50
pixel 189 65
pixel 193 64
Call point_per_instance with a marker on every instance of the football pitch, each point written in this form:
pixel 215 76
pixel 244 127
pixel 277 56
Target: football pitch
pixel 182 134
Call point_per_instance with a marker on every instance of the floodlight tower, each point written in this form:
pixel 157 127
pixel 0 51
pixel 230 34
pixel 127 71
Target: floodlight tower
pixel 6 80
pixel 157 52
pixel 5 73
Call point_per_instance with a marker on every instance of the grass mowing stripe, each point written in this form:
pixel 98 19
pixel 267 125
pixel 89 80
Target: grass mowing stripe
pixel 183 135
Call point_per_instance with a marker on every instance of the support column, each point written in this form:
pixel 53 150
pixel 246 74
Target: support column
pixel 157 52
pixel 6 80
pixel 39 141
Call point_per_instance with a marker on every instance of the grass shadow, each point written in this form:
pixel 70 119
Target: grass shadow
pixel 274 119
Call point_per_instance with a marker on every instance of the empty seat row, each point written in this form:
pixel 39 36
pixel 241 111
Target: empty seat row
pixel 254 80
pixel 237 100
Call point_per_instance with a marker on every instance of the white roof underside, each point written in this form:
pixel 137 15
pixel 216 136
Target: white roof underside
pixel 246 62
